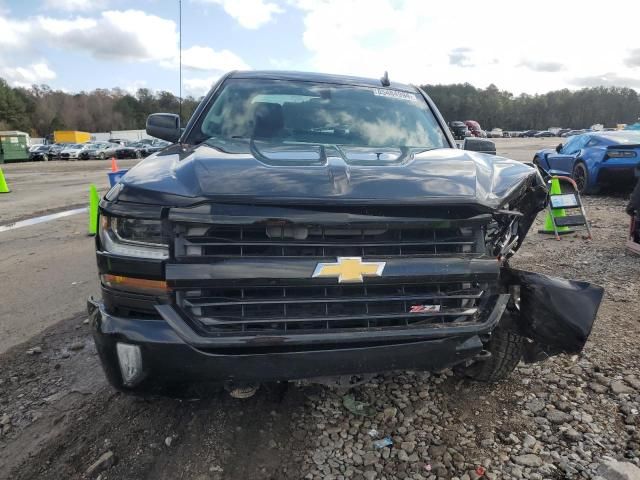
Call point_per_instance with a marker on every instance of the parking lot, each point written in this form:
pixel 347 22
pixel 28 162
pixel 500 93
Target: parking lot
pixel 60 419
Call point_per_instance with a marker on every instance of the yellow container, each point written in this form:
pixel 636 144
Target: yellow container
pixel 71 136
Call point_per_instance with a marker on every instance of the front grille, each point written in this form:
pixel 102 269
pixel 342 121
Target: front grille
pixel 257 306
pixel 318 241
pixel 331 307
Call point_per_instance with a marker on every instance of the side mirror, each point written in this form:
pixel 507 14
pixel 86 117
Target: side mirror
pixel 559 147
pixel 479 145
pixel 165 126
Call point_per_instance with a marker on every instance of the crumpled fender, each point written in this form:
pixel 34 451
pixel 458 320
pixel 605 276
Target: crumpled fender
pixel 556 313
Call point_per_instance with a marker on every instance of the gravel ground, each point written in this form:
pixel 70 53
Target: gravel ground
pixel 565 418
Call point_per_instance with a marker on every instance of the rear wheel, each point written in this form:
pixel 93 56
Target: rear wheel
pixel 506 350
pixel 580 175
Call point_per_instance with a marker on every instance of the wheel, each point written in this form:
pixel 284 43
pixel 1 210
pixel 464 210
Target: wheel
pixel 580 175
pixel 101 156
pixel 138 154
pixel 506 349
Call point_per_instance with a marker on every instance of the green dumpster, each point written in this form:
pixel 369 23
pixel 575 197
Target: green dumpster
pixel 14 146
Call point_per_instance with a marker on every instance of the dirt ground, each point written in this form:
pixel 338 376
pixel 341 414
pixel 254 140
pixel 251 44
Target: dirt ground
pixel 558 419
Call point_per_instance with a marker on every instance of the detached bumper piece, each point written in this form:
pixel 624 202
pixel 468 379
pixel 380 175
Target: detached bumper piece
pixel 557 314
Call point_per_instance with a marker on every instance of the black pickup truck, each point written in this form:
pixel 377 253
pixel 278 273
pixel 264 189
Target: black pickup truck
pixel 306 226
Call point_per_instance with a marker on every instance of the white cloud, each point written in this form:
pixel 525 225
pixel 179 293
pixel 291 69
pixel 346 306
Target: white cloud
pixel 133 87
pixel 414 42
pixel 116 35
pixel 199 58
pixel 130 35
pixel 75 5
pixel 250 14
pixel 199 86
pixel 35 73
pixel 205 58
pixel 610 79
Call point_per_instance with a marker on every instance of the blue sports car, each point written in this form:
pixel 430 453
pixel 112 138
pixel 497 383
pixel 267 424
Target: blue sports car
pixel 594 159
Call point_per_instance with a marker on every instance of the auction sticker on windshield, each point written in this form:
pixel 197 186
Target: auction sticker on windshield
pixel 383 92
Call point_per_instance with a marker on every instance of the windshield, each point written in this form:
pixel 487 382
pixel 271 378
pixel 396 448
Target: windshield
pixel 315 113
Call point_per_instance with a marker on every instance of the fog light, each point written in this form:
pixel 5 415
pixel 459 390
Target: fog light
pixel 130 359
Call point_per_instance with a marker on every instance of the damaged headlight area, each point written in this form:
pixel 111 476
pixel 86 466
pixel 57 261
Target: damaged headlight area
pixel 133 237
pixel 502 236
pixel 511 223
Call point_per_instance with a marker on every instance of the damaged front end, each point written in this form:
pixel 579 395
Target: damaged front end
pixel 555 315
pixel 286 288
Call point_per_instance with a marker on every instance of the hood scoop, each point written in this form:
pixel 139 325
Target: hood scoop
pixel 279 154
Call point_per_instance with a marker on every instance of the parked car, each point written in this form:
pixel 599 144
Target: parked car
pixel 529 133
pixel 72 151
pixel 571 133
pixel 459 130
pixel 35 147
pixel 544 133
pixel 562 131
pixel 594 159
pixel 39 153
pixel 154 147
pixel 495 133
pixel 99 150
pixel 242 255
pixel 506 134
pixel 475 129
pixel 131 150
pixel 55 149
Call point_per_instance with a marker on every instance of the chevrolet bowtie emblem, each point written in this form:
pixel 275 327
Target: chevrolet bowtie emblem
pixel 349 270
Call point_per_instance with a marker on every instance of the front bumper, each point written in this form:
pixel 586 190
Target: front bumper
pixel 167 356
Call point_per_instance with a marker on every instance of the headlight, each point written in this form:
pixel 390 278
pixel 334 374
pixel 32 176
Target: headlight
pixel 133 237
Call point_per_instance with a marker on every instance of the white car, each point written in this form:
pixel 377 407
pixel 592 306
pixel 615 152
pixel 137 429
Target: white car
pixel 72 151
pixel 495 133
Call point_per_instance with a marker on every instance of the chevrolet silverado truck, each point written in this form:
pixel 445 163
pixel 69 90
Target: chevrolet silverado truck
pixel 306 226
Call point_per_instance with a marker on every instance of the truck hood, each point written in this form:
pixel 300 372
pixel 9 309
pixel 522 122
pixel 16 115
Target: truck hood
pixel 251 172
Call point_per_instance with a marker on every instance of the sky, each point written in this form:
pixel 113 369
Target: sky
pixel 531 47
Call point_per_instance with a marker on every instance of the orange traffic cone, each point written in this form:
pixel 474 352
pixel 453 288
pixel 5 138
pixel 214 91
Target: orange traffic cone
pixel 114 165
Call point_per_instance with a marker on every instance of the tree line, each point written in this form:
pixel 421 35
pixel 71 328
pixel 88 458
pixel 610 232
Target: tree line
pixel 492 107
pixel 40 110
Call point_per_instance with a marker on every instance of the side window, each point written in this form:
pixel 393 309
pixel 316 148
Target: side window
pixel 575 144
pixel 567 148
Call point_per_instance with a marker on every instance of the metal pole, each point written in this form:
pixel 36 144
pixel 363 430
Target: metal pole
pixel 180 55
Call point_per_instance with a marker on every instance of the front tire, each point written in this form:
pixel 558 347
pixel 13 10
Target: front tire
pixel 506 349
pixel 101 156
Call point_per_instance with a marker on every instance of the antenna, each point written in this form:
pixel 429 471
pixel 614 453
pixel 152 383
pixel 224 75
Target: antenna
pixel 180 55
pixel 385 79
